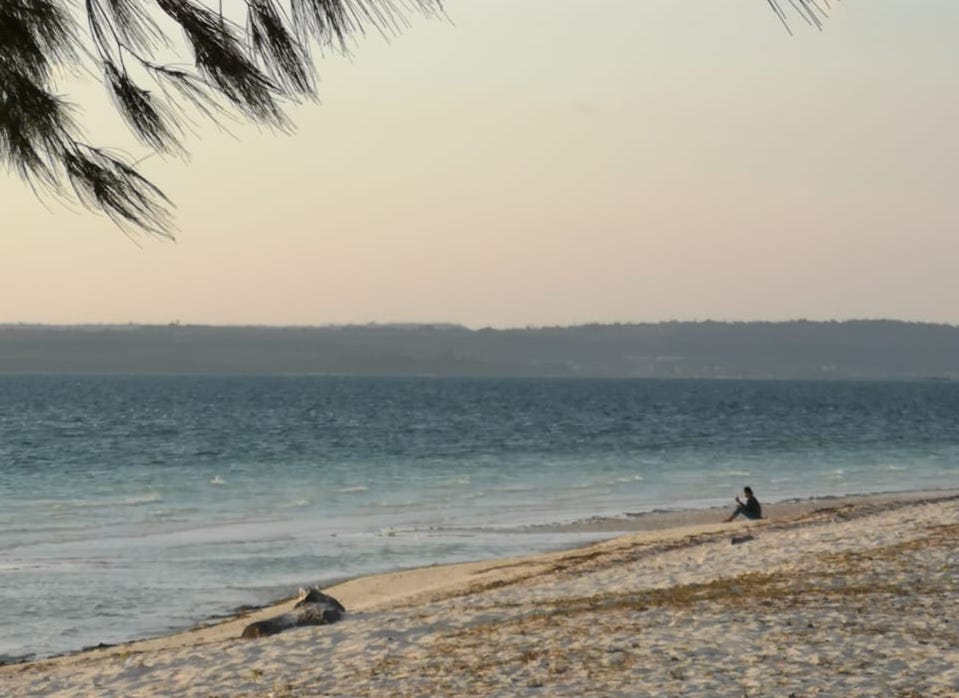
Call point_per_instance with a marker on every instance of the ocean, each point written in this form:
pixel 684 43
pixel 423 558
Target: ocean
pixel 132 506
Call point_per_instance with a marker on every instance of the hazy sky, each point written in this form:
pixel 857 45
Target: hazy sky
pixel 551 162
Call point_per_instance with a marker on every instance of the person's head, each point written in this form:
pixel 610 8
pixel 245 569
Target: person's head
pixel 748 491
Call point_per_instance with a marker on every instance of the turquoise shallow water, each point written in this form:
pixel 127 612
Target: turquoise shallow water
pixel 132 506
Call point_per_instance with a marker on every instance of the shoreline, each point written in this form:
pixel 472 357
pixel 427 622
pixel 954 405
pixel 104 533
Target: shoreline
pixel 664 519
pixel 608 528
pixel 408 588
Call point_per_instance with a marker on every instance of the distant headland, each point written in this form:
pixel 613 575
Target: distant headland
pixel 803 350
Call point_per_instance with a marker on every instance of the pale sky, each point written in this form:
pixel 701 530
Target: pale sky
pixel 540 162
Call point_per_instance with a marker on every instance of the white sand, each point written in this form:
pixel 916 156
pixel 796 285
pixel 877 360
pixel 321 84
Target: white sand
pixel 851 597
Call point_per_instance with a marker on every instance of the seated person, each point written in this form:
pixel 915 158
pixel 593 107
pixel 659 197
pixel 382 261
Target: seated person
pixel 750 508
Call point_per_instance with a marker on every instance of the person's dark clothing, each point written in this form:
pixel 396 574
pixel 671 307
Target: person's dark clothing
pixel 750 509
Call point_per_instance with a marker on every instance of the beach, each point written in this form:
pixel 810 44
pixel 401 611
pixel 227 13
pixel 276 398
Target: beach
pixel 842 596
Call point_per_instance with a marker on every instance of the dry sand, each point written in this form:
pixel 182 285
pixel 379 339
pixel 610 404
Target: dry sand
pixel 844 597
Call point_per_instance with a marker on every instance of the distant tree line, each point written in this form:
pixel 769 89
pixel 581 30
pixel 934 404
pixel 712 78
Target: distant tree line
pixel 860 349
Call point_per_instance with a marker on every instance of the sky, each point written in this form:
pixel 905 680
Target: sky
pixel 548 162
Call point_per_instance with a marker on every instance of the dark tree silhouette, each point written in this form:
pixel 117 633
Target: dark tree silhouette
pixel 136 48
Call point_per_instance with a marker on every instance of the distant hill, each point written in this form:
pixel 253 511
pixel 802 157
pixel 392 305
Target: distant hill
pixel 857 349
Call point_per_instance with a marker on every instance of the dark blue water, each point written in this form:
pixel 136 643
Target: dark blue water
pixel 158 501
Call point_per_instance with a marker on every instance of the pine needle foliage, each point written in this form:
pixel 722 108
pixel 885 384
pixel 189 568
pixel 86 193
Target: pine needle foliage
pixel 813 12
pixel 219 68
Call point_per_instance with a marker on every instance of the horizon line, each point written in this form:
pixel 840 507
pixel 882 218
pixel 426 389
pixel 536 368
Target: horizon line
pixel 445 324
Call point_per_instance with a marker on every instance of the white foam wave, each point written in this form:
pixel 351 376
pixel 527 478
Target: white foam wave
pixel 632 478
pixel 578 485
pixel 148 498
pixel 394 531
pixel 352 489
pixel 131 501
pixel 454 482
pixel 517 489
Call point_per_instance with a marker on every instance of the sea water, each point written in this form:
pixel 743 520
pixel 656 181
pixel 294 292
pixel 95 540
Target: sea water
pixel 131 506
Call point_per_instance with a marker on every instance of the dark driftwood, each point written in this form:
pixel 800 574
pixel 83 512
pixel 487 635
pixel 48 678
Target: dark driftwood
pixel 315 608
